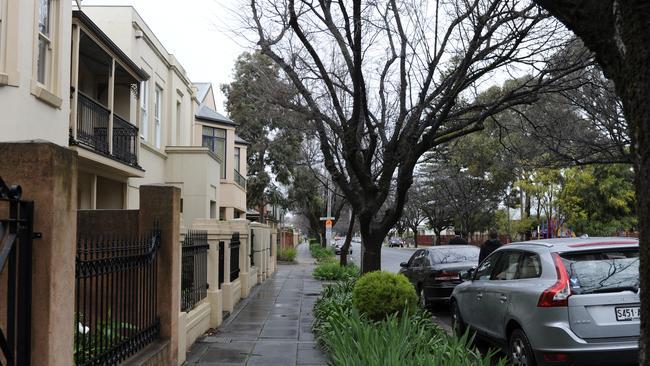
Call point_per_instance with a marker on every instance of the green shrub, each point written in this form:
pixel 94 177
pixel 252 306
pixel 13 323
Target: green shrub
pixel 412 339
pixel 333 271
pixel 287 254
pixel 321 254
pixel 379 294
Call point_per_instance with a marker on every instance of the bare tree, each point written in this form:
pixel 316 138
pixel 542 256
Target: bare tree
pixel 386 81
pixel 617 32
pixel 414 214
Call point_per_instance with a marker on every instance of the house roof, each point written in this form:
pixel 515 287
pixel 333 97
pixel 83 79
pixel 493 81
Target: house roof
pixel 202 90
pixel 208 114
pixel 241 141
pixel 86 21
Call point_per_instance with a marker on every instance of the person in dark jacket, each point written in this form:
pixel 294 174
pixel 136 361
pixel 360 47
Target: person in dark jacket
pixel 489 246
pixel 457 239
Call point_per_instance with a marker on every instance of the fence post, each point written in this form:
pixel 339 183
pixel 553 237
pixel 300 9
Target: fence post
pixel 162 202
pixel 48 176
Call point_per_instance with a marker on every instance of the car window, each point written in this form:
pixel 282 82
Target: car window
pixel 485 269
pixel 530 266
pixel 455 255
pixel 415 259
pixel 506 268
pixel 603 270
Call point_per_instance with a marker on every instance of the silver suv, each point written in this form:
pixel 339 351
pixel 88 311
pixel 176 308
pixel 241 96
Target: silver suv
pixel 568 301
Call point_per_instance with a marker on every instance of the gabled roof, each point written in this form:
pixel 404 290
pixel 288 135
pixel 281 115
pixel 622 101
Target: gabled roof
pixel 202 90
pixel 241 141
pixel 208 114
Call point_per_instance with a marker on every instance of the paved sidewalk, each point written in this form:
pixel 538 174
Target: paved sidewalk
pixel 272 326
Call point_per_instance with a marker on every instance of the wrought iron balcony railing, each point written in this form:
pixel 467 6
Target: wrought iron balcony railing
pixel 92 131
pixel 239 179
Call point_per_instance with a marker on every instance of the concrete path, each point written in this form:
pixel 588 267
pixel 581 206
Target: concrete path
pixel 270 327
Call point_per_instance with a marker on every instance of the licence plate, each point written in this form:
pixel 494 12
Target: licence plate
pixel 628 313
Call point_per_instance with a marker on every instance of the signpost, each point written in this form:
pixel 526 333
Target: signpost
pixel 328 228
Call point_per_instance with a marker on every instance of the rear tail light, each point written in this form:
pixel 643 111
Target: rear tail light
pixel 556 357
pixel 446 276
pixel 558 294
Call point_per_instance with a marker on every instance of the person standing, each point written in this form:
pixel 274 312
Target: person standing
pixel 457 239
pixel 489 246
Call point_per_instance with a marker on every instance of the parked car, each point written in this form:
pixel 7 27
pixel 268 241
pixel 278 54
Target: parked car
pixel 568 301
pixel 395 242
pixel 338 245
pixel 435 271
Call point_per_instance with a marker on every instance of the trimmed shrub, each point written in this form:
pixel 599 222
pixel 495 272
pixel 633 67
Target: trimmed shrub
pixel 379 294
pixel 287 254
pixel 333 271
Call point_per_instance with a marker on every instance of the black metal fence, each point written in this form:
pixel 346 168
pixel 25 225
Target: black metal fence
pixel 115 299
pixel 234 257
pixel 194 275
pixel 251 239
pixel 125 140
pixel 222 260
pixel 16 234
pixel 92 123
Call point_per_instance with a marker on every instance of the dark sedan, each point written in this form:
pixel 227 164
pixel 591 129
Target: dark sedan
pixel 437 270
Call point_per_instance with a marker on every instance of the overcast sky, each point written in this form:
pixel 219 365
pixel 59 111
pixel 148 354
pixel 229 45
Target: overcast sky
pixel 197 25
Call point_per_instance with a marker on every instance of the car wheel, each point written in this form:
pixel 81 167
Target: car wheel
pixel 520 352
pixel 457 322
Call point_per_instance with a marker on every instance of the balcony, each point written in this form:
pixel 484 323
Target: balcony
pixel 93 121
pixel 240 180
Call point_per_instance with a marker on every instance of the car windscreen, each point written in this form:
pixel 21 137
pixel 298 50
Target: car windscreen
pixel 455 255
pixel 603 271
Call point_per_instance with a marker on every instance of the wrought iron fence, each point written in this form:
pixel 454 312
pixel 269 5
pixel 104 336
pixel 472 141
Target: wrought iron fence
pixel 125 140
pixel 115 299
pixel 194 275
pixel 92 123
pixel 16 234
pixel 234 256
pixel 251 241
pixel 222 260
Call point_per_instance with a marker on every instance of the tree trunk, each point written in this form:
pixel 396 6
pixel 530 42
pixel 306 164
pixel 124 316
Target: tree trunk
pixel 348 240
pixel 371 240
pixel 415 237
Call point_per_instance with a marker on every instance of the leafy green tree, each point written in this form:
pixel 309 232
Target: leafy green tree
pixel 272 131
pixel 599 199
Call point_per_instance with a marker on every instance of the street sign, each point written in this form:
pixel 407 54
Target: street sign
pixel 328 224
pixel 328 233
pixel 327 218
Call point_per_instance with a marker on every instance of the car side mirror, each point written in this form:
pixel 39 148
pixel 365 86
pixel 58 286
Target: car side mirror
pixel 403 264
pixel 468 275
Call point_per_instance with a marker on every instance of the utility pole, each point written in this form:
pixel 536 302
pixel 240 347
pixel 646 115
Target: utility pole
pixel 328 219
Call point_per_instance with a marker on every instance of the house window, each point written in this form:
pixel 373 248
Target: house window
pixel 158 113
pixel 144 117
pixel 215 140
pixel 237 162
pixel 45 36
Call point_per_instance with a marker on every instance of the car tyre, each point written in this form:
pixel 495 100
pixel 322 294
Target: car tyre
pixel 457 322
pixel 520 353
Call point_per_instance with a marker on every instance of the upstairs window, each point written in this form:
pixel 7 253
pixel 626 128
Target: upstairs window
pixel 45 46
pixel 237 157
pixel 157 127
pixel 144 116
pixel 215 140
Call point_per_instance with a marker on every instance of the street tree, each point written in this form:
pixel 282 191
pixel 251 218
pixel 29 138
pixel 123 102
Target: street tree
pixel 414 214
pixel 385 82
pixel 251 100
pixel 617 32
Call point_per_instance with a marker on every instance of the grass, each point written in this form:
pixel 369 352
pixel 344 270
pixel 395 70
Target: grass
pixel 412 339
pixel 333 271
pixel 287 254
pixel 321 254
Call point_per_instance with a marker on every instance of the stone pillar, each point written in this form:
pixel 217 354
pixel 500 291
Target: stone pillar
pixel 162 202
pixel 244 262
pixel 47 174
pixel 226 288
pixel 214 293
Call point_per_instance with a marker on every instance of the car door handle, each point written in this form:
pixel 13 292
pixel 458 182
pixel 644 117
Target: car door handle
pixel 503 298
